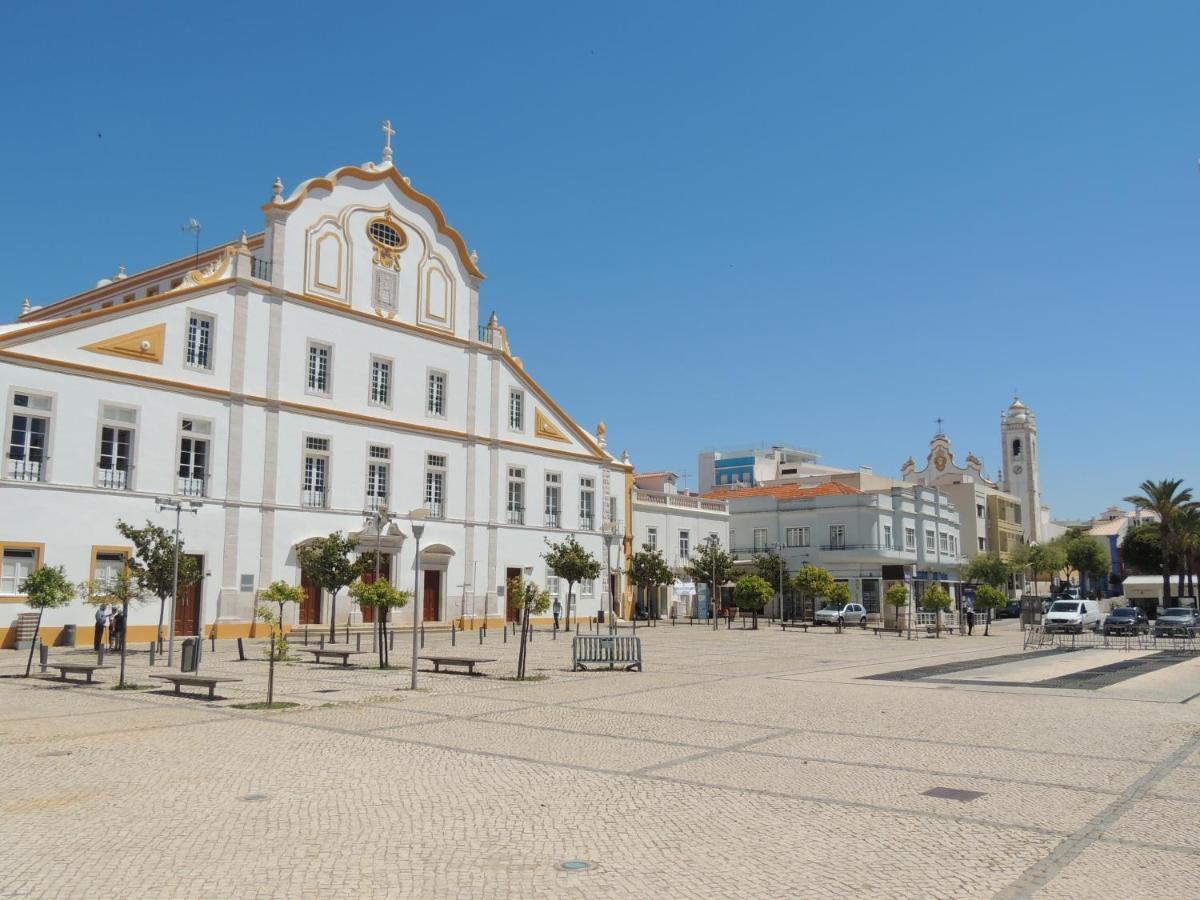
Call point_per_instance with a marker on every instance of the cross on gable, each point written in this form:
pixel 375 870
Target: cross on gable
pixel 388 131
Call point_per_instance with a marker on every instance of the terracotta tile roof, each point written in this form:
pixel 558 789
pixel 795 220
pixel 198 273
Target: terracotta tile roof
pixel 783 491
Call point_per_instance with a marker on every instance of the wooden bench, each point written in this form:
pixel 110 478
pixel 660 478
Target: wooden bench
pixel 881 631
pixel 803 626
pixel 933 629
pixel 469 661
pixel 65 669
pixel 190 680
pixel 320 652
pixel 610 649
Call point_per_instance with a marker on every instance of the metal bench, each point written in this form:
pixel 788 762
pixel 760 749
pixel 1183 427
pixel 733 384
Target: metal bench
pixel 65 669
pixel 343 655
pixel 606 649
pixel 470 662
pixel 881 630
pixel 803 626
pixel 207 681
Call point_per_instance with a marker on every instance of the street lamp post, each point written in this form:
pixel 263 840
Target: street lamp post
pixel 381 517
pixel 608 539
pixel 417 518
pixel 180 507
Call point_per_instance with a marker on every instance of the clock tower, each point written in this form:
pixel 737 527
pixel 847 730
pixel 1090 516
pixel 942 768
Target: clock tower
pixel 1022 478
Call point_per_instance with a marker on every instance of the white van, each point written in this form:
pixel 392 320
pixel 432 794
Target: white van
pixel 1072 615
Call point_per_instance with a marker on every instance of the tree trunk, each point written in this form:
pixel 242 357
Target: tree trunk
pixel 332 617
pixel 162 604
pixel 36 629
pixel 521 652
pixel 570 585
pixel 987 623
pixel 124 637
pixel 271 671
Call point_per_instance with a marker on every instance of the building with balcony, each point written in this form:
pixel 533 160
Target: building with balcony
pixel 869 537
pixel 675 524
pixel 756 466
pixel 291 382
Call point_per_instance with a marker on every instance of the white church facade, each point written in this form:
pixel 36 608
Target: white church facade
pixel 288 383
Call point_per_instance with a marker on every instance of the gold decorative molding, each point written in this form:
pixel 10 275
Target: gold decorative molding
pixel 544 428
pixel 145 344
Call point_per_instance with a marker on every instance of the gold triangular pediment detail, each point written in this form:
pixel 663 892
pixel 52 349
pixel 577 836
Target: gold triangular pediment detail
pixel 544 428
pixel 145 344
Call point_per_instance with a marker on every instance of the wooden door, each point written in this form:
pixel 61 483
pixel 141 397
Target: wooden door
pixel 187 605
pixel 310 606
pixel 368 612
pixel 511 613
pixel 432 611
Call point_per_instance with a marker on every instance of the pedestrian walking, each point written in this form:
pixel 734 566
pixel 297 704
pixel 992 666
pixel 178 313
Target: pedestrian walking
pixel 101 622
pixel 116 630
pixel 970 620
pixel 557 612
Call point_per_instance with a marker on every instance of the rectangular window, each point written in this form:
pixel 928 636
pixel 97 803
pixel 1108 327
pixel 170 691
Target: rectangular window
pixel 192 474
pixel 1016 514
pixel 381 382
pixel 944 542
pixel 930 541
pixel 384 288
pixel 115 464
pixel 979 510
pixel 19 563
pixel 587 588
pixel 910 539
pixel 516 495
pixel 314 492
pixel 981 546
pixel 553 500
pixel 107 567
pixel 379 473
pixel 435 485
pixel 587 504
pixel 435 399
pixel 685 544
pixel 652 538
pixel 198 353
pixel 837 537
pixel 887 537
pixel 319 356
pixel 552 585
pixel 797 536
pixel 28 436
pixel 516 410
pixel 760 540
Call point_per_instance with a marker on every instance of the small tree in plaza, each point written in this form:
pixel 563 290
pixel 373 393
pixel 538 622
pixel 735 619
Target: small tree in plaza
pixel 44 588
pixel 711 565
pixel 1084 555
pixel 839 595
pixel 330 564
pixel 123 588
pixel 527 598
pixel 988 568
pixel 772 568
pixel 573 564
pixel 752 593
pixel 274 599
pixel 897 597
pixel 937 601
pixel 988 598
pixel 812 582
pixel 648 569
pixel 382 597
pixel 153 564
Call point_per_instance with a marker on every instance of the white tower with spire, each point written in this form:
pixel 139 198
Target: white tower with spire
pixel 1022 478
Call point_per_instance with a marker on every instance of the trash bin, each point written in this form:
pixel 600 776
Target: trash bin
pixel 190 656
pixel 67 638
pixel 600 616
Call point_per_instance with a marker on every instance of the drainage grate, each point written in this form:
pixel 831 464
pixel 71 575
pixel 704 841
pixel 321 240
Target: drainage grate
pixel 327 690
pixel 56 753
pixel 575 865
pixel 946 793
pixel 251 798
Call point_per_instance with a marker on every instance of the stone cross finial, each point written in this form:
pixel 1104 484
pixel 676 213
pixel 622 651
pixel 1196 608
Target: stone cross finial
pixel 277 190
pixel 388 131
pixel 25 307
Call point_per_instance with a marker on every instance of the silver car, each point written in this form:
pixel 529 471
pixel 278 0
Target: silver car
pixel 1177 621
pixel 850 614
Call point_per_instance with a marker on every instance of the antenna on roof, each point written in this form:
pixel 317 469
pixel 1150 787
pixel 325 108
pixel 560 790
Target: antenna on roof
pixel 195 227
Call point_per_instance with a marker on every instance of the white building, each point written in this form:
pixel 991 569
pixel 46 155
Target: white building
pixel 720 468
pixel 674 524
pixel 869 539
pixel 333 363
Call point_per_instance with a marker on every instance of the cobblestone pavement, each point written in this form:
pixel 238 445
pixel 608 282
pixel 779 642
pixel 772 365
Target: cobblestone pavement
pixel 739 764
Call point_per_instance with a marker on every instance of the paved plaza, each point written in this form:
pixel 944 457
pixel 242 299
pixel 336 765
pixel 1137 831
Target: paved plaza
pixel 738 764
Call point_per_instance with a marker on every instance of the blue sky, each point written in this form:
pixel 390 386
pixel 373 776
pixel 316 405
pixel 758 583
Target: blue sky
pixel 816 224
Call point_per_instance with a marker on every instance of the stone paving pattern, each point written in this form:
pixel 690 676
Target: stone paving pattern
pixel 739 764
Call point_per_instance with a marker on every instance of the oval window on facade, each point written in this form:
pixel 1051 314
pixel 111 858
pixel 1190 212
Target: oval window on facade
pixel 386 235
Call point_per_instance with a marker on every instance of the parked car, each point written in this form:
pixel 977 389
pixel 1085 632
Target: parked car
pixel 1072 615
pixel 1177 621
pixel 1070 593
pixel 1010 610
pixel 850 614
pixel 1126 620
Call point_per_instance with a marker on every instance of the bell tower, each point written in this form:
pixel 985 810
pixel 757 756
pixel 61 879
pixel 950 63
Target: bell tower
pixel 1022 478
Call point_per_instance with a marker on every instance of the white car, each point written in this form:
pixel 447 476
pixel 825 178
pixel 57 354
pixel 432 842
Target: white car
pixel 850 614
pixel 1072 615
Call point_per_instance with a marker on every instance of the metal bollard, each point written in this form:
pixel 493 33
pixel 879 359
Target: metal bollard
pixel 100 655
pixel 556 634
pixel 391 641
pixel 152 654
pixel 422 635
pixel 358 641
pixel 43 655
pixel 305 637
pixel 322 647
pixel 480 637
pixel 452 638
pixel 347 631
pixel 242 651
pixel 506 634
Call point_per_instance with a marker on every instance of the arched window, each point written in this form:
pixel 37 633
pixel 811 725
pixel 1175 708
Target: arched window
pixel 1016 448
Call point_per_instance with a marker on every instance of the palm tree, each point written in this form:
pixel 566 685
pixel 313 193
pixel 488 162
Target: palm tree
pixel 1167 499
pixel 1187 544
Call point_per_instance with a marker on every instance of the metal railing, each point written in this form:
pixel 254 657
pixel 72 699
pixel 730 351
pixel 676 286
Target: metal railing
pixel 192 486
pixel 375 502
pixel 25 470
pixel 859 547
pixel 587 523
pixel 112 479
pixel 552 519
pixel 485 334
pixel 437 509
pixel 313 499
pixel 516 515
pixel 260 268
